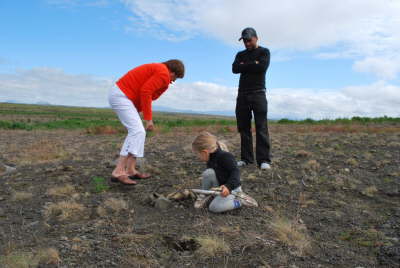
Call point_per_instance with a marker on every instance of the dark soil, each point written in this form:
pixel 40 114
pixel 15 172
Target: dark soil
pixel 340 190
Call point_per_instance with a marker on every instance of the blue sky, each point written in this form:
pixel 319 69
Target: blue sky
pixel 328 59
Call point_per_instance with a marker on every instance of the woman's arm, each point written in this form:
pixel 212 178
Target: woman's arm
pixel 154 83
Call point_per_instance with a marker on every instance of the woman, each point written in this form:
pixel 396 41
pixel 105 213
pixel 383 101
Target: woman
pixel 133 94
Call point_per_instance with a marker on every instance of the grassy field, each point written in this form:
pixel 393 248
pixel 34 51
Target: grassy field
pixel 331 198
pixel 29 117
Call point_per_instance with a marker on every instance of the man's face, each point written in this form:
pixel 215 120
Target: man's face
pixel 250 43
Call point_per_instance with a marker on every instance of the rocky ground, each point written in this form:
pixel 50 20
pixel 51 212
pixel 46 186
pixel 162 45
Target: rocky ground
pixel 331 200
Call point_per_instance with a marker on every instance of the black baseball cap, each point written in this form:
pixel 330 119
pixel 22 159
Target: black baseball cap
pixel 248 33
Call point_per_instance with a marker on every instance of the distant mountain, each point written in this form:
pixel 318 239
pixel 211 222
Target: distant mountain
pixel 11 101
pixel 183 111
pixel 43 103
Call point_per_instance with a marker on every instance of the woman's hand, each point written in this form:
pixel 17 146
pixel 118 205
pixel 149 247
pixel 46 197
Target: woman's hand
pixel 224 191
pixel 149 125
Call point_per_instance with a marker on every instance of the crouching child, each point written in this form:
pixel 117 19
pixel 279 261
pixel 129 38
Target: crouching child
pixel 222 171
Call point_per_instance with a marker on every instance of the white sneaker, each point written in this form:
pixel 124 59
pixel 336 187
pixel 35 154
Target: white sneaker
pixel 265 166
pixel 246 200
pixel 241 163
pixel 202 201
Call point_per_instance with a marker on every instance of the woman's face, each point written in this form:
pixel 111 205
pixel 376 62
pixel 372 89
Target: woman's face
pixel 172 76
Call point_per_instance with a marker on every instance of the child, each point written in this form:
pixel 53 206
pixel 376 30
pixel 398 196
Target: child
pixel 222 171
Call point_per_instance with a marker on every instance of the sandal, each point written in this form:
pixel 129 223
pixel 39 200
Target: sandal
pixel 139 176
pixel 123 179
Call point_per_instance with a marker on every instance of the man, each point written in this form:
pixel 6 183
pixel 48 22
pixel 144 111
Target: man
pixel 252 64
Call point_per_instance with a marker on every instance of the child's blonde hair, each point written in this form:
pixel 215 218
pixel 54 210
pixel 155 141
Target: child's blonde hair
pixel 207 141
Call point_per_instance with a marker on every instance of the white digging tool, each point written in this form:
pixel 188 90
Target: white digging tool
pixel 245 199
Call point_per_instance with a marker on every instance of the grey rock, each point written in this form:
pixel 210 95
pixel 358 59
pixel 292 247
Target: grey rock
pixel 4 169
pixel 162 203
pixel 2 213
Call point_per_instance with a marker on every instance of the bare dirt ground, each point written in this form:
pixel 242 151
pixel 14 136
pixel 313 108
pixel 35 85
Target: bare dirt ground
pixel 331 200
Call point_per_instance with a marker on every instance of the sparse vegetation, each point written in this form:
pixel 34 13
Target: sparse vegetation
pixel 18 260
pixel 65 190
pixel 112 206
pixel 333 191
pixel 211 246
pixel 64 210
pixel 21 196
pixel 370 191
pixel 292 234
pixel 99 184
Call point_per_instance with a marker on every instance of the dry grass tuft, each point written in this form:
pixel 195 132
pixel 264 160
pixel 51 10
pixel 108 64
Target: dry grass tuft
pixel 42 151
pixel 291 234
pixel 352 162
pixel 312 165
pixel 111 206
pixel 66 190
pixel 104 130
pixel 230 230
pixel 140 261
pixel 302 153
pixel 49 256
pixel 64 210
pixel 21 196
pixel 211 246
pixel 370 191
pixel 18 260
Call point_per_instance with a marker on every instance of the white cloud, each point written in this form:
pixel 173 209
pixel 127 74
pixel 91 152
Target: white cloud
pixel 360 29
pixel 377 99
pixel 385 68
pixel 54 86
pixel 373 100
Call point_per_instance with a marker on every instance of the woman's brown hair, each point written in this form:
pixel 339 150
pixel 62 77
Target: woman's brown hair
pixel 176 66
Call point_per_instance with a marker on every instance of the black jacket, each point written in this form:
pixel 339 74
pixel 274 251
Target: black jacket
pixel 226 169
pixel 252 74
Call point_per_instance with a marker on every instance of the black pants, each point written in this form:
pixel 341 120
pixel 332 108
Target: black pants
pixel 246 104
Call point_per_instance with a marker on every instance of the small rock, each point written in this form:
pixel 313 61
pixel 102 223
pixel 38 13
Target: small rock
pixel 162 203
pixel 33 223
pixel 4 169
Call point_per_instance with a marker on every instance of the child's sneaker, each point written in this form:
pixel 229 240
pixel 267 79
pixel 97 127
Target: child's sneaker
pixel 265 165
pixel 241 163
pixel 246 200
pixel 202 201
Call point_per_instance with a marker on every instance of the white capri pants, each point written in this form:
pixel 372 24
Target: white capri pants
pixel 130 118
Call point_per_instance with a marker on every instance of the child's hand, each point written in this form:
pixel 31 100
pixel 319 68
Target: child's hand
pixel 224 191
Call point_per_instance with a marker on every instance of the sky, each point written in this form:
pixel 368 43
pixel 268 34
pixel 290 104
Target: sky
pixel 329 59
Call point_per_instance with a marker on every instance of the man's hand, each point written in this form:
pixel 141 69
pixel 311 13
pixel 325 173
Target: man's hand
pixel 241 62
pixel 224 191
pixel 149 125
pixel 257 62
